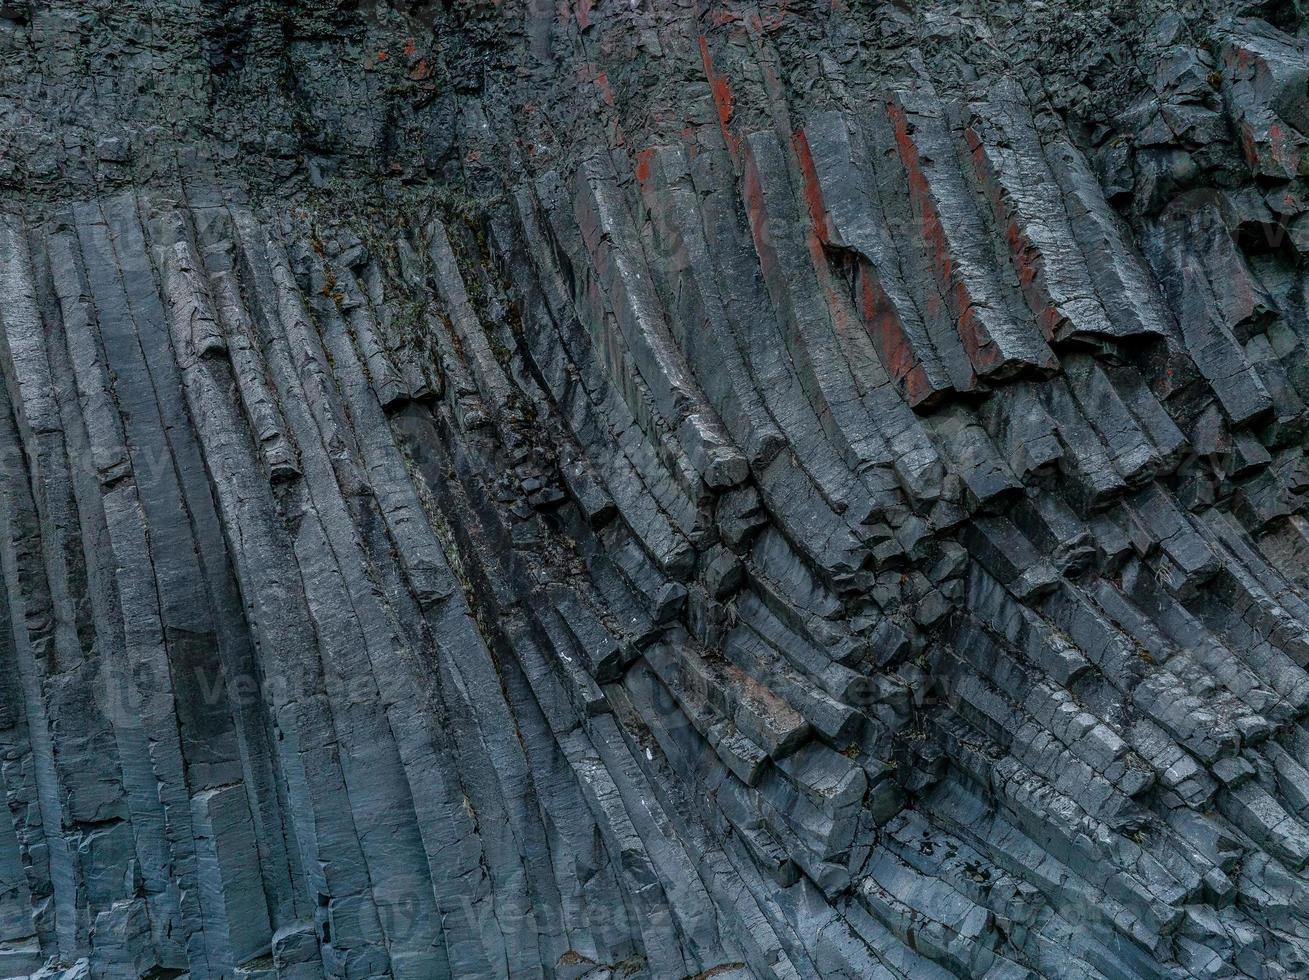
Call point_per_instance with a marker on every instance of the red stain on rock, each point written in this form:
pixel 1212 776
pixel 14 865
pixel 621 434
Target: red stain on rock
pixel 1282 150
pixel 813 193
pixel 888 335
pixel 606 90
pixel 752 191
pixel 1027 259
pixel 643 164
pixel 722 94
pixel 982 353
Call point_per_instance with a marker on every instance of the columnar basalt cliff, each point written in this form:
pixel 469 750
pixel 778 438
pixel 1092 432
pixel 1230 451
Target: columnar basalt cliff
pixel 653 488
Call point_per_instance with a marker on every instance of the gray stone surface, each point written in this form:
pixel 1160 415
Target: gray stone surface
pixel 598 489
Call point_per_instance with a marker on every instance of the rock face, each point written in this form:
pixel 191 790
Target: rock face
pixel 670 488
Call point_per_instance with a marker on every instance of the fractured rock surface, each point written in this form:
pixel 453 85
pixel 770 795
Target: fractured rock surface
pixel 676 489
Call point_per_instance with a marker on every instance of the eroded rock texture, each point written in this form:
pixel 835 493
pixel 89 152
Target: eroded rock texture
pixel 670 488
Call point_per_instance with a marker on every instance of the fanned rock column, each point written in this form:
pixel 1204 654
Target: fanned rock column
pixel 675 490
